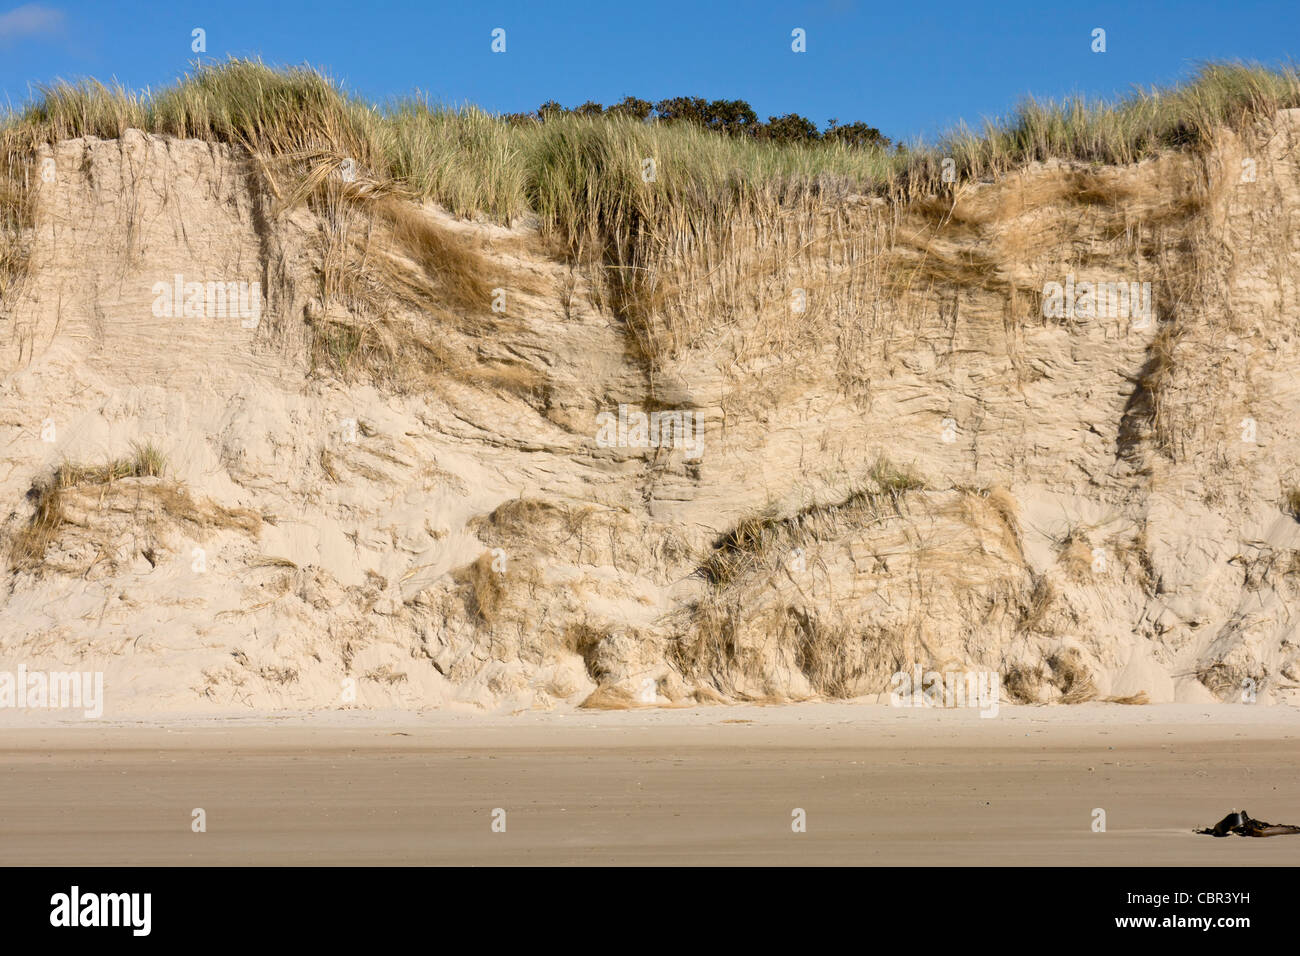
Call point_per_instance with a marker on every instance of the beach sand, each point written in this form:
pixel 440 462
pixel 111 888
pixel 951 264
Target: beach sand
pixel 709 785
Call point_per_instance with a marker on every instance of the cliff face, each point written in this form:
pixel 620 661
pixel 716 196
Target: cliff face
pixel 395 470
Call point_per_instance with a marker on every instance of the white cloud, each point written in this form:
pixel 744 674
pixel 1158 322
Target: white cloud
pixel 29 20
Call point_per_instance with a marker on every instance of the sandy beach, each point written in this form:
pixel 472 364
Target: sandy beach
pixel 878 785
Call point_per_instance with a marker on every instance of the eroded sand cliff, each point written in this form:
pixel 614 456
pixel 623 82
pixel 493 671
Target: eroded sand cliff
pixel 396 488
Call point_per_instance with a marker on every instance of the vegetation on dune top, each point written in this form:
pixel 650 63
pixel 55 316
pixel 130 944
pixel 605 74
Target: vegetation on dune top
pixel 507 166
pixel 582 172
pixel 732 117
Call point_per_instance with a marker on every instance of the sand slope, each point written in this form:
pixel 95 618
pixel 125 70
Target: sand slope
pixel 1083 515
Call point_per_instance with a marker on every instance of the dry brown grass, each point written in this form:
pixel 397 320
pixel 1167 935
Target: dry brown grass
pixel 405 302
pixel 574 533
pixel 1291 503
pixel 28 547
pixel 837 658
pixel 1145 414
pixel 583 639
pixel 1035 611
pixel 103 500
pixel 1004 503
pixel 327 462
pixel 611 697
pixel 17 216
pixel 487 588
pixel 979 502
pixel 456 269
pixel 1075 555
pixel 841 661
pixel 762 541
pixel 276 674
pixel 385 674
pixel 1224 681
pixel 754 614
pixel 1023 684
pixel 1133 700
pixel 516 520
pixel 1072 677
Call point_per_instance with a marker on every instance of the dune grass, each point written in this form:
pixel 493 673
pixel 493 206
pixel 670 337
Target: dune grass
pixel 582 177
pixel 1291 503
pixel 766 539
pixel 145 461
pixel 27 548
pixel 572 168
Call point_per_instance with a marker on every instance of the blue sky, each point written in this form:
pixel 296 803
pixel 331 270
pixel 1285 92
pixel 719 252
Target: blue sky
pixel 911 69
